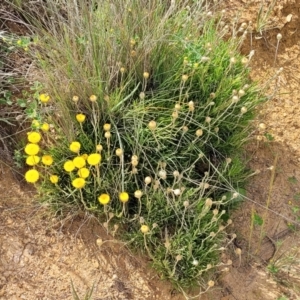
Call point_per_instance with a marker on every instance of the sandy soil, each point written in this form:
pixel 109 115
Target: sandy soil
pixel 40 255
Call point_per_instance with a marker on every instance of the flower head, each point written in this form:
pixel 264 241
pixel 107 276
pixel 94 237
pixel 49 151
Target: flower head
pixel 75 147
pixel 47 160
pixel 83 173
pixel 35 124
pixel 78 183
pixel 106 127
pixel 104 199
pixel 84 156
pixel 54 179
pixel 94 159
pixel 93 98
pixel 69 166
pixel 32 149
pixel 145 229
pixel 32 160
pixel 34 137
pixel 124 197
pixel 44 98
pixel 45 127
pixel 80 118
pixel 79 162
pixel 32 176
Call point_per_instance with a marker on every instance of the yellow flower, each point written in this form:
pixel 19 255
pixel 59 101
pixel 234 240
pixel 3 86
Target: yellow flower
pixel 94 159
pixel 104 199
pixel 47 160
pixel 69 166
pixel 79 162
pixel 54 179
pixel 45 127
pixel 44 98
pixel 93 98
pixel 32 149
pixel 34 137
pixel 124 197
pixel 32 176
pixel 80 118
pixel 83 172
pixel 32 160
pixel 78 183
pixel 75 147
pixel 144 229
pixel 106 127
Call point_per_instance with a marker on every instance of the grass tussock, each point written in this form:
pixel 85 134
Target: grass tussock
pixel 147 107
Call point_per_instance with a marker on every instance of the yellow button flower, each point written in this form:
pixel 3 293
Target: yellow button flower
pixel 32 149
pixel 32 160
pixel 34 137
pixel 47 160
pixel 83 173
pixel 32 176
pixel 80 118
pixel 79 162
pixel 104 199
pixel 45 127
pixel 69 166
pixel 78 183
pixel 54 179
pixel 94 159
pixel 123 197
pixel 145 229
pixel 44 98
pixel 75 147
pixel 106 127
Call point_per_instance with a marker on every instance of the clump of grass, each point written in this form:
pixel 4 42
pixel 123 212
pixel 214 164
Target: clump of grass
pixel 149 109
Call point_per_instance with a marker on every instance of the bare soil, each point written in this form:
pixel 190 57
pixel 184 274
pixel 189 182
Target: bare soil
pixel 40 255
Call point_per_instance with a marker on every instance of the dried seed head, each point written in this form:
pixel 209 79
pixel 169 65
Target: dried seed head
pixel 134 170
pixel 152 125
pixel 162 174
pixel 134 163
pixel 199 132
pixel 142 95
pixel 216 129
pixel 138 194
pixel 184 78
pixel 233 60
pixel 241 93
pixel 119 152
pixel 176 174
pixel 208 119
pixel 215 212
pixel 262 126
pixel 107 134
pixel 238 251
pixel 244 60
pixel 205 59
pixel 122 70
pixel 177 192
pixel 175 114
pixel 146 75
pixel 178 257
pixel 195 262
pixel 75 99
pixel 279 37
pixel 235 99
pixel 185 129
pixel 243 110
pixel 148 180
pixel 99 148
pixel 229 221
pixel 186 203
pixel 93 98
pixel 208 202
pixel 177 106
pixel 212 234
